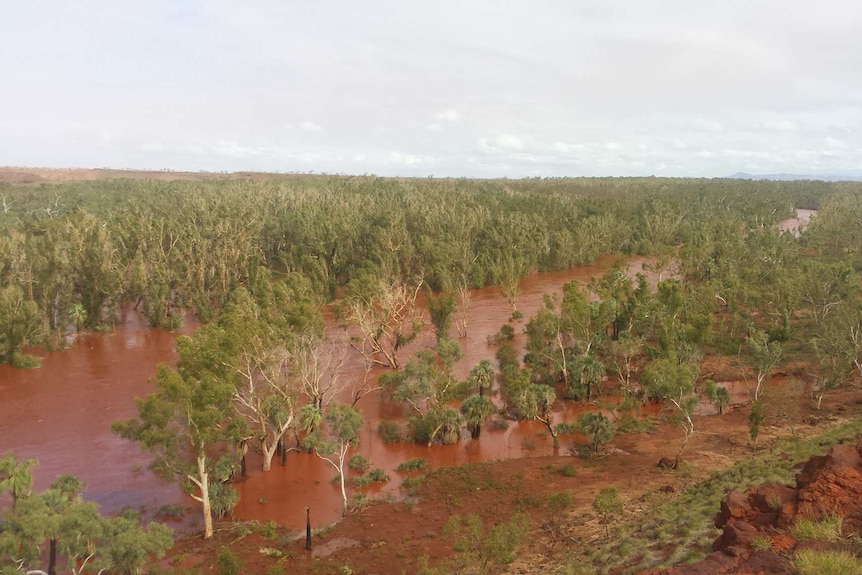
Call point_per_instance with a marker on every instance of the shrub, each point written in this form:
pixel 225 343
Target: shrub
pixel 761 543
pixel 227 563
pixel 377 475
pixel 359 463
pixel 415 464
pixel 827 529
pixel 811 562
pixel 390 432
pixel 560 501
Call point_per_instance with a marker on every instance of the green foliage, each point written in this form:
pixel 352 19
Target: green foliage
pixel 187 415
pixel 761 543
pixel 567 470
pixel 717 395
pixel 390 432
pixel 86 539
pixel 827 529
pixel 597 427
pixel 359 463
pixel 495 546
pixel 475 411
pixel 813 562
pixel 560 501
pixel 629 423
pixel 377 475
pixel 755 419
pixel 440 309
pixel 607 502
pixel 227 563
pixel 415 464
pixel 19 322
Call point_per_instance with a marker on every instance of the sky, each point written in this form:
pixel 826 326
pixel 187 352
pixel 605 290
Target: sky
pixel 468 88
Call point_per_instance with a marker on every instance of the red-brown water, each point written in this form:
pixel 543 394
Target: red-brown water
pixel 61 413
pixel 796 224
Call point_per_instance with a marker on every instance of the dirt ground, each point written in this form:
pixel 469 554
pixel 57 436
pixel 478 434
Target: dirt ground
pixel 35 176
pixel 401 536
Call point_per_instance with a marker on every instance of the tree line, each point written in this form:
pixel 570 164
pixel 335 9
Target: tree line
pixel 72 254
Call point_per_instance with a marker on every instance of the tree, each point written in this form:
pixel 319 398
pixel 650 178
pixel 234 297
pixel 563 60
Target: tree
pixel 609 506
pixel 755 419
pixel 622 353
pixel 426 383
pixel 440 308
pixel 184 422
pixel 717 395
pixel 386 315
pixel 317 366
pixel 668 379
pixel 19 322
pixel 76 531
pixel 332 441
pixel 481 377
pixel 764 356
pixel 535 402
pixel 15 477
pixel 476 409
pixel 597 427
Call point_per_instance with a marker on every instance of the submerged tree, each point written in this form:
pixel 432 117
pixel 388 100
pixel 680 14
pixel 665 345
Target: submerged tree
pixel 333 440
pixel 476 409
pixel 184 422
pixel 385 314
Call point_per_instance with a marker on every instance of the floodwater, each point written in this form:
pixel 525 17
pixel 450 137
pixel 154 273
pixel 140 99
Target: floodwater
pixel 797 224
pixel 61 413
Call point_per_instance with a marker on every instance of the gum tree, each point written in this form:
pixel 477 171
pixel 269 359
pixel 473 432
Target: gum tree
pixel 332 441
pixel 184 423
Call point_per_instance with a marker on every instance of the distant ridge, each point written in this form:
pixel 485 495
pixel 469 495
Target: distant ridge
pixel 848 177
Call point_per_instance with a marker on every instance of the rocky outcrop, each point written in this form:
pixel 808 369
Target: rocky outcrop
pixel 827 485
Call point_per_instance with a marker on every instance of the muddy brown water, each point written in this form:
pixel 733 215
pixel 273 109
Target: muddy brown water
pixel 61 413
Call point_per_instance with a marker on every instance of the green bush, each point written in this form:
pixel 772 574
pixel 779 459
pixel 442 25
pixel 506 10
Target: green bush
pixel 377 475
pixel 359 463
pixel 415 464
pixel 390 432
pixel 827 529
pixel 227 563
pixel 811 562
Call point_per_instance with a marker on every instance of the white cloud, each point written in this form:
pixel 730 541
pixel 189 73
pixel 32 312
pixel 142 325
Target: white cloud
pixel 310 127
pixel 447 115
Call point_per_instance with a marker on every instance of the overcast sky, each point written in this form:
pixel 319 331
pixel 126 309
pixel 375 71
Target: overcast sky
pixel 443 88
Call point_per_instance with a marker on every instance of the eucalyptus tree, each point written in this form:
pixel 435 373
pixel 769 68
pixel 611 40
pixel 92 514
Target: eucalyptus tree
pixel 20 324
pixel 96 267
pixel 622 354
pixel 333 440
pixel 670 380
pixel 440 308
pixel 265 396
pixel 385 314
pixel 426 384
pixel 184 423
pixel 535 402
pixel 763 356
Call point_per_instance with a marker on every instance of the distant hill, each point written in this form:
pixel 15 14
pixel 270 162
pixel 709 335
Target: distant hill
pixel 846 177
